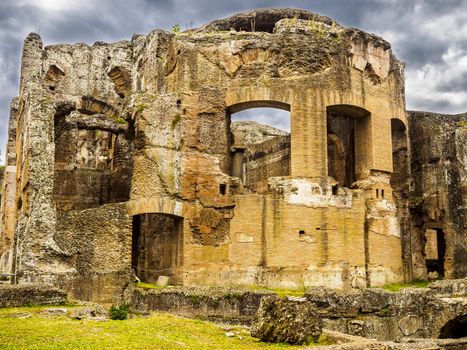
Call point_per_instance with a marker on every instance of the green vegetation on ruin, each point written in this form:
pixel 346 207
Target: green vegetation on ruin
pixel 157 331
pixel 148 285
pixel 395 287
pixel 233 294
pixel 118 119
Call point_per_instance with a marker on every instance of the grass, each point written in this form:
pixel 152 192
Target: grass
pixel 148 285
pixel 297 292
pixel 395 287
pixel 158 331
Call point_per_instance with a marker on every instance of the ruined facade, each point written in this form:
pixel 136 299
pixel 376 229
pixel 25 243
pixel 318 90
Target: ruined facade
pixel 122 160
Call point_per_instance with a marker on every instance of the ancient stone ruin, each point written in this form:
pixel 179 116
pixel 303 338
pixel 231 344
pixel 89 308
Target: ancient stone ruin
pixel 122 161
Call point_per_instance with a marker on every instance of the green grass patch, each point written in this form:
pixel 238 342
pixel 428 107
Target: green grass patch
pixel 282 292
pixel 395 287
pixel 148 285
pixel 158 331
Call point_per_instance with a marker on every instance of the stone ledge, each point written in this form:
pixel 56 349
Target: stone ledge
pixel 26 294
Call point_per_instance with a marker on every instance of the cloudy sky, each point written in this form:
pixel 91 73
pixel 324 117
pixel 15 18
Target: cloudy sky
pixel 429 35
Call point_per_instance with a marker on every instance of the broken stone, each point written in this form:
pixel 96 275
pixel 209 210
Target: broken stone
pixel 93 311
pixel 294 321
pixel 55 311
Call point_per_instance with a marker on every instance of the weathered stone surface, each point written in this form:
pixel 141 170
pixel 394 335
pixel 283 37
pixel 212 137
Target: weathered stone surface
pixel 439 194
pixel 89 311
pixel 288 320
pixel 24 295
pixel 105 135
pixel 450 287
pixel 231 305
pixel 250 132
pixel 376 313
pixel 55 311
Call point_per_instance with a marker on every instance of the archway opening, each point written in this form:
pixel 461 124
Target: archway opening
pixel 157 247
pixel 346 143
pixel 456 328
pixel 93 160
pixel 260 144
pixel 400 164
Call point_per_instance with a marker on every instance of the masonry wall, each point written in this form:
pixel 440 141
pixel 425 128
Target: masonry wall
pixel 439 192
pixel 152 118
pixel 264 160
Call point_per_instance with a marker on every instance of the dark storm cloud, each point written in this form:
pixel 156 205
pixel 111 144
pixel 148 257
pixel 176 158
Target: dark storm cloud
pixel 429 35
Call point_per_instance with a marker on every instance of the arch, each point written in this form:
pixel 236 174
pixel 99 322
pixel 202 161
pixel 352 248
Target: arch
pixel 53 77
pixel 156 205
pixel 269 96
pixel 455 328
pixel 400 158
pixel 351 110
pixel 260 148
pixel 122 80
pixel 241 106
pixel 91 105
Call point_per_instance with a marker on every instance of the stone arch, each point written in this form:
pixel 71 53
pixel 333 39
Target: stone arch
pixel 351 125
pixel 258 153
pixel 122 80
pixel 400 156
pixel 258 104
pixel 93 155
pixel 455 328
pixel 53 77
pixel 91 105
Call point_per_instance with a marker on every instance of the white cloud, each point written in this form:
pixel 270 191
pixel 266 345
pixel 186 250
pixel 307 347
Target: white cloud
pixel 274 117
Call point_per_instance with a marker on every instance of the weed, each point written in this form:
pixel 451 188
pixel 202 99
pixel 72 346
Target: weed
pixel 176 120
pixel 119 312
pixel 395 287
pixel 176 28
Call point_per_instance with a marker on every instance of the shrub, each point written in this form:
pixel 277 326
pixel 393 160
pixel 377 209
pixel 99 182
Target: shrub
pixel 119 312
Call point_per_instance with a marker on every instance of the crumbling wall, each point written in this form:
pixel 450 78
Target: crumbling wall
pixel 372 313
pixel 93 255
pixel 147 121
pixel 264 160
pixel 439 193
pixel 57 110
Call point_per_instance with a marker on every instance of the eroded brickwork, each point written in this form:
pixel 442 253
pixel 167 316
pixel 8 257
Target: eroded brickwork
pixel 145 125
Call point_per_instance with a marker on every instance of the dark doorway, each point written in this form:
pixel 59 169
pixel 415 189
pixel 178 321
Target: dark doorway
pixel 456 328
pixel 157 247
pixel 435 249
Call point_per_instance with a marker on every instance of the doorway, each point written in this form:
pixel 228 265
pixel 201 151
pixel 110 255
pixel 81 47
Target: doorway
pixel 157 247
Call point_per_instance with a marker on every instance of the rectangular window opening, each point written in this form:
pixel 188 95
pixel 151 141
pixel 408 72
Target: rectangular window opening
pixel 223 189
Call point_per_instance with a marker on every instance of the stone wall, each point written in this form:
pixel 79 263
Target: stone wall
pixel 267 159
pixel 439 194
pixel 371 313
pixel 94 260
pixel 147 122
pixel 28 295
